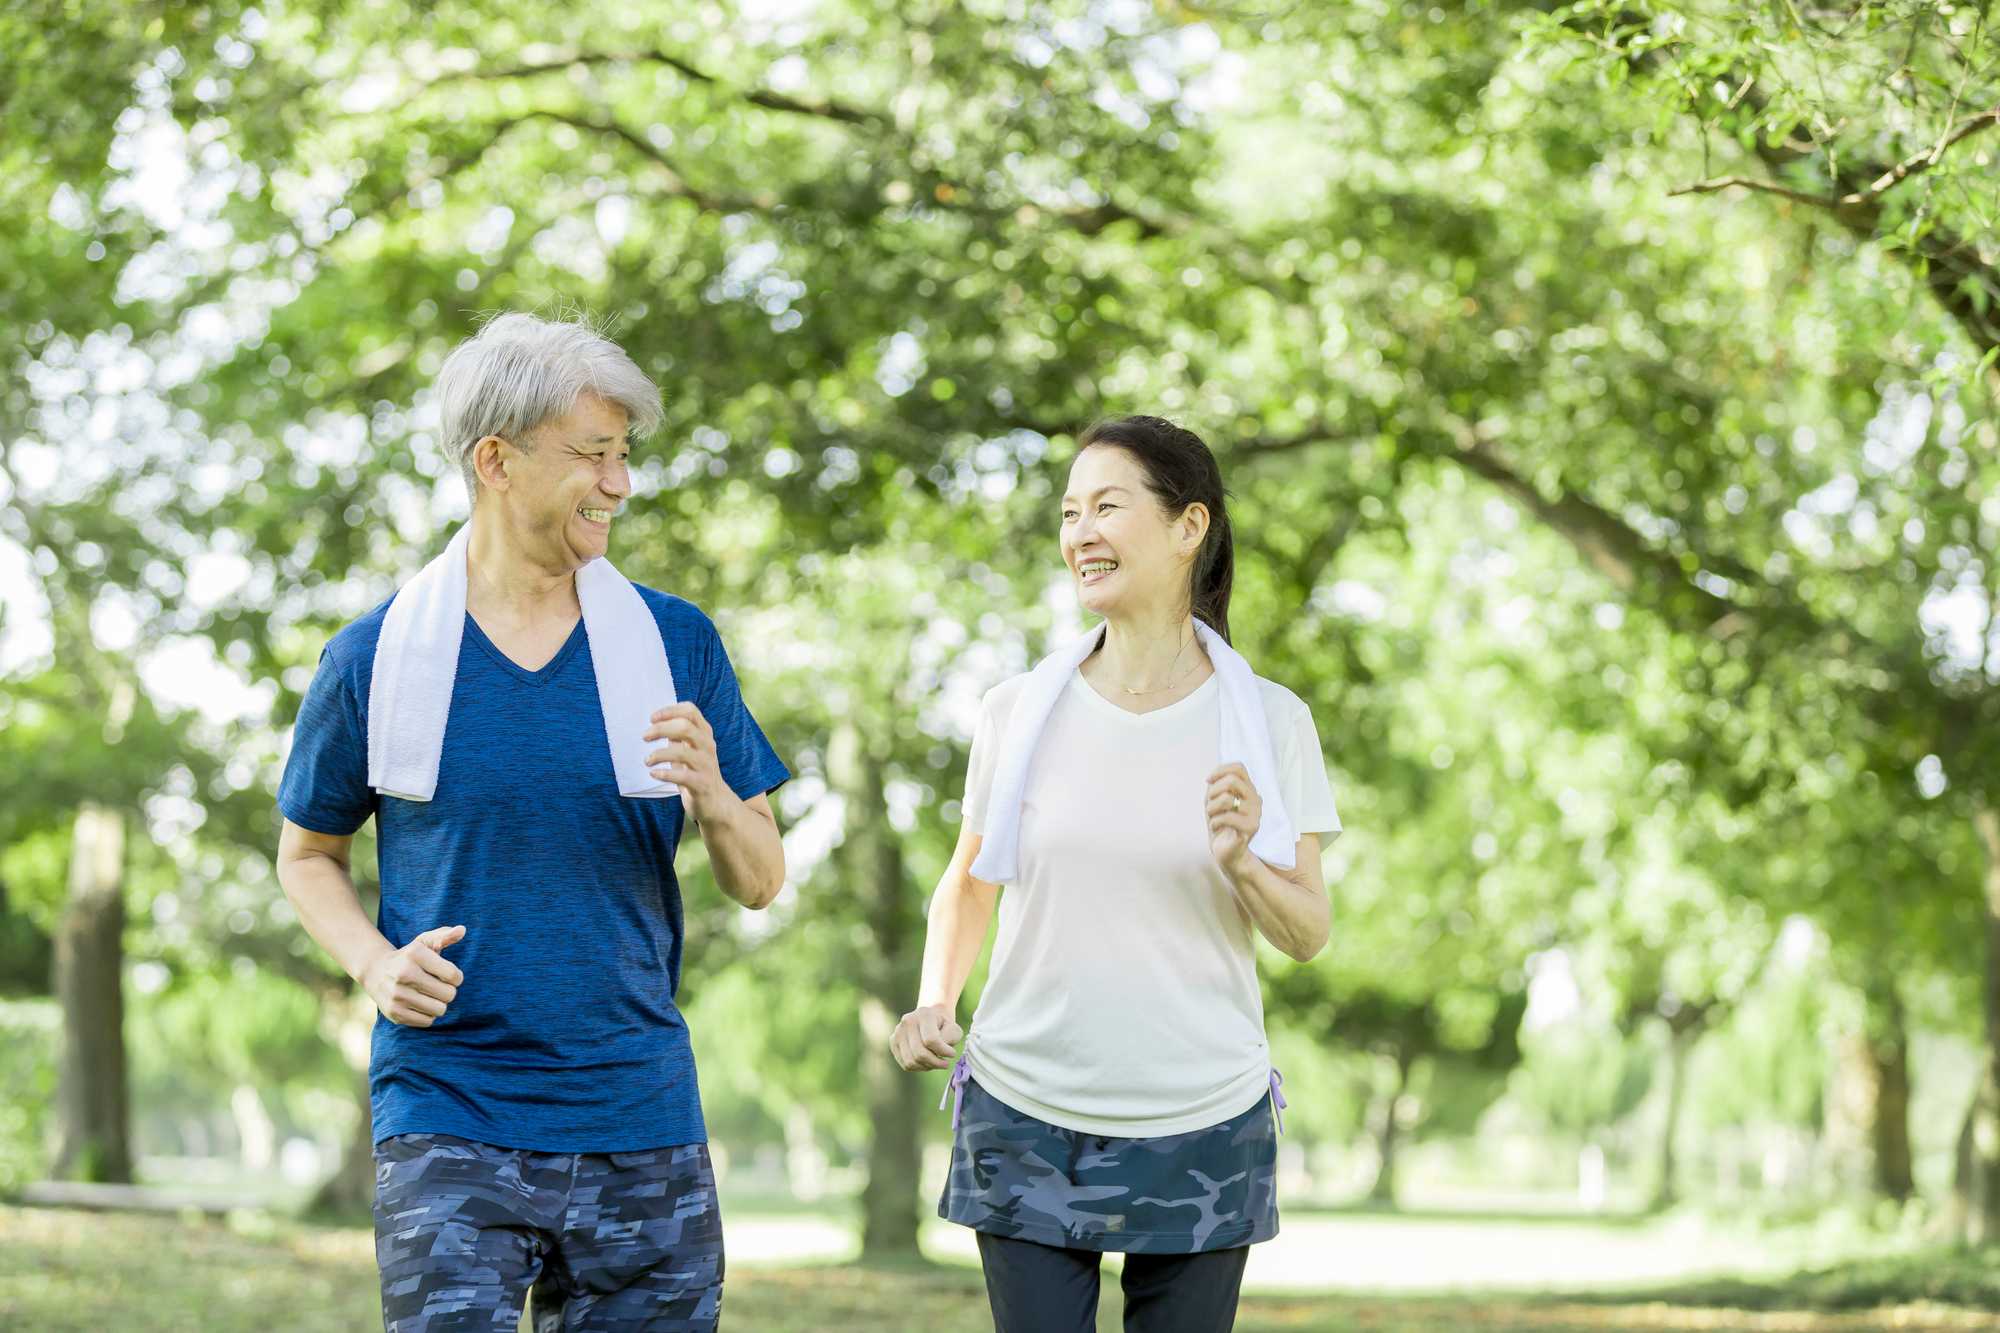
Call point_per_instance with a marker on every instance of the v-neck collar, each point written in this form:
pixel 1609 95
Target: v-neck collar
pixel 548 669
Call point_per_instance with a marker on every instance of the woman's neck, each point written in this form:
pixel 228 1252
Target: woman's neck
pixel 1147 654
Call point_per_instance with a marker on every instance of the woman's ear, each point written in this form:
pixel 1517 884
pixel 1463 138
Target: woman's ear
pixel 1194 527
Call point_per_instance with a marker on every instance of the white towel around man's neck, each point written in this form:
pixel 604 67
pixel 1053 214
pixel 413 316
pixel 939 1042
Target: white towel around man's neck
pixel 416 663
pixel 1245 739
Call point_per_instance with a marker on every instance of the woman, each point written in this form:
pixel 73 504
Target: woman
pixel 1148 802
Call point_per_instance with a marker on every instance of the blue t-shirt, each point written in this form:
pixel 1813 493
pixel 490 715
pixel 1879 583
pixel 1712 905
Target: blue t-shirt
pixel 564 1036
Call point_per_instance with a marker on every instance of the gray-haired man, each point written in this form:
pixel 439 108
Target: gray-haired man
pixel 536 1117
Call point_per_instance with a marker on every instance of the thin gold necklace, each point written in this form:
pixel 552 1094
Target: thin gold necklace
pixel 1161 689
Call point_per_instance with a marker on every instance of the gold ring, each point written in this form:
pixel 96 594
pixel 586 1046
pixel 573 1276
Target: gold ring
pixel 1236 803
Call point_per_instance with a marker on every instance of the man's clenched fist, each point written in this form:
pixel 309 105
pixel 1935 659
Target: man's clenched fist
pixel 413 984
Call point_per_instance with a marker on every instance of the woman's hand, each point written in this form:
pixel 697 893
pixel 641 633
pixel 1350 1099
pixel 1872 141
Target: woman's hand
pixel 926 1038
pixel 1234 812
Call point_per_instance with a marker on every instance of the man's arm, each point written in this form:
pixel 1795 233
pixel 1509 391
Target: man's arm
pixel 741 836
pixel 744 848
pixel 411 985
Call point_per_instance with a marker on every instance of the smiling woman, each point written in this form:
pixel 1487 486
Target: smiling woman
pixel 1151 806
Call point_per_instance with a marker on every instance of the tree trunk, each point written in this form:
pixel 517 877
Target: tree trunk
pixel 1885 1049
pixel 1680 1046
pixel 1383 1191
pixel 93 1109
pixel 1982 1202
pixel 871 862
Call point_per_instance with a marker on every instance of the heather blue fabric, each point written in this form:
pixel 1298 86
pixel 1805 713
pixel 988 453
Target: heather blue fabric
pixel 565 1036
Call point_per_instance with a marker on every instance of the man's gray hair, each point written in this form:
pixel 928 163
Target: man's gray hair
pixel 521 370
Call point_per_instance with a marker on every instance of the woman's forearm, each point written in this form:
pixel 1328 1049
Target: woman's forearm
pixel 961 911
pixel 1290 910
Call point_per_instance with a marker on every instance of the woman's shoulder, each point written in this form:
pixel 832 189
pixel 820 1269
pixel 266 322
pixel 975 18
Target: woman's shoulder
pixel 998 702
pixel 1279 702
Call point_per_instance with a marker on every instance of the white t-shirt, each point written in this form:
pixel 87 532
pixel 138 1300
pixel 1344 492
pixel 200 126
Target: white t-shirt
pixel 1122 998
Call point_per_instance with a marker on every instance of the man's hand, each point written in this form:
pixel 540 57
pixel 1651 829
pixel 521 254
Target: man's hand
pixel 688 758
pixel 925 1038
pixel 413 984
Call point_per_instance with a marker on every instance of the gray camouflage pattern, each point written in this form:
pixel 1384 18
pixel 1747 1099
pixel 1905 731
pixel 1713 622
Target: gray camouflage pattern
pixel 609 1243
pixel 1208 1189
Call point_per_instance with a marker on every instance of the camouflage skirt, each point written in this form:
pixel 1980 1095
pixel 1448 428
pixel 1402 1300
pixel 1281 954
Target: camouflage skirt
pixel 1207 1189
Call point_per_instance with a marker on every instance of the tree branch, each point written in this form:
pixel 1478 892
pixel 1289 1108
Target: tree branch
pixel 677 184
pixel 1606 542
pixel 1930 157
pixel 760 97
pixel 1832 203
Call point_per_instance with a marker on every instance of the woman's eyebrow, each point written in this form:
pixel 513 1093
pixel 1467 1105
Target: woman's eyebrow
pixel 1101 490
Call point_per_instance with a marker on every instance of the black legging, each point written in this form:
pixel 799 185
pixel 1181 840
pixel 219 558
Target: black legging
pixel 1043 1289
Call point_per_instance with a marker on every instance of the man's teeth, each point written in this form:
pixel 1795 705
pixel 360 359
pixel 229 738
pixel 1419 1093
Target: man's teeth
pixel 596 515
pixel 1090 567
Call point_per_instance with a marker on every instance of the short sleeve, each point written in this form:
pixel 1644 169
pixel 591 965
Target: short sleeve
pixel 325 786
pixel 749 765
pixel 1308 796
pixel 979 766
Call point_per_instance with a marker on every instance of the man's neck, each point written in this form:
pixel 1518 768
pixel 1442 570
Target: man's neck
pixel 506 583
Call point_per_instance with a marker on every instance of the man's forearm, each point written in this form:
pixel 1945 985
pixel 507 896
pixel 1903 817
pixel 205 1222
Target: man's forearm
pixel 745 851
pixel 322 892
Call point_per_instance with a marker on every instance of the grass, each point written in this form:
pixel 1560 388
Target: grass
pixel 66 1272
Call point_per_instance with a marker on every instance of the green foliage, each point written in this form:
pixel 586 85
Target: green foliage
pixel 1771 1062
pixel 1580 1077
pixel 1606 532
pixel 30 1032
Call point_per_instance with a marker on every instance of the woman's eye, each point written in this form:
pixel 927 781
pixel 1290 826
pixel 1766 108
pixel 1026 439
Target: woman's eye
pixel 1101 508
pixel 1068 514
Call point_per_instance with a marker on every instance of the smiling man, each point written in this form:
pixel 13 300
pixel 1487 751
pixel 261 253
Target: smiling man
pixel 529 731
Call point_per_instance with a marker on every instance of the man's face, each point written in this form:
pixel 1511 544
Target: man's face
pixel 570 481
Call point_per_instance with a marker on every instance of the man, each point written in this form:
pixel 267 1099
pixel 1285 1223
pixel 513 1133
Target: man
pixel 535 1109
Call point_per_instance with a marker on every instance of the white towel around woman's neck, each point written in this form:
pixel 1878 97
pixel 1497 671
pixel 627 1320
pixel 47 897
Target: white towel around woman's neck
pixel 416 663
pixel 1245 740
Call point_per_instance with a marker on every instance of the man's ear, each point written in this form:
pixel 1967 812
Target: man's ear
pixel 490 462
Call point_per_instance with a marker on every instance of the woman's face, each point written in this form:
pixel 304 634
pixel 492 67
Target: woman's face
pixel 1126 555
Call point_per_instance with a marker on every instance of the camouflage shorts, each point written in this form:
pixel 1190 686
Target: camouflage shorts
pixel 1207 1189
pixel 611 1242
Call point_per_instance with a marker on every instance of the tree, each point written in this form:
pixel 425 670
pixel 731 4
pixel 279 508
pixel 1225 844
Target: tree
pixel 886 258
pixel 1863 122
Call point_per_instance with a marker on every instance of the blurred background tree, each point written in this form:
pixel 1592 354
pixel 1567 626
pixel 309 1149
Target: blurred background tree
pixel 1630 546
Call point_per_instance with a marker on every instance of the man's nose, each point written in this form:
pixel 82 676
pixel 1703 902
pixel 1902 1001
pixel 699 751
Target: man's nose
pixel 616 481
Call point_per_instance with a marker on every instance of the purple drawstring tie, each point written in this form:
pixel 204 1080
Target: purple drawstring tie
pixel 954 1092
pixel 1277 1099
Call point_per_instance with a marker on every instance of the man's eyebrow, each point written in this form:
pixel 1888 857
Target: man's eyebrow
pixel 1101 490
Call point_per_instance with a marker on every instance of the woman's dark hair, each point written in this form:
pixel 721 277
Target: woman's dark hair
pixel 1180 471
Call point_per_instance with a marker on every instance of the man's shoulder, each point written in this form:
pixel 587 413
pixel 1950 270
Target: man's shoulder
pixel 351 650
pixel 677 617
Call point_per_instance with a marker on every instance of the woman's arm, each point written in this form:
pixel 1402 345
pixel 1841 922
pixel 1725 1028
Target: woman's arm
pixel 961 911
pixel 1288 906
